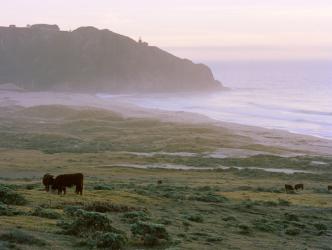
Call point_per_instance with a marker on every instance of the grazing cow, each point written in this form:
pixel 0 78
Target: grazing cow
pixel 289 188
pixel 68 180
pixel 160 182
pixel 299 186
pixel 329 188
pixel 48 181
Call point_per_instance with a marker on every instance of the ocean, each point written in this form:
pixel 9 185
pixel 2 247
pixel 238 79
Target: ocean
pixel 295 96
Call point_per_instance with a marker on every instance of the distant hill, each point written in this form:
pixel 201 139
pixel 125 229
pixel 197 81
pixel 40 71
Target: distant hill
pixel 41 57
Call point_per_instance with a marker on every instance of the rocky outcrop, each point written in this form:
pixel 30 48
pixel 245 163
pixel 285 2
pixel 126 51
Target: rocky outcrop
pixel 41 57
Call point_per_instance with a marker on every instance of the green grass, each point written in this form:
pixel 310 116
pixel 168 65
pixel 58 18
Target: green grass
pixel 243 218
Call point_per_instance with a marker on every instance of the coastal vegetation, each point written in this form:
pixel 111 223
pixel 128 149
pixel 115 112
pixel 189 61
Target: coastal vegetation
pixel 126 205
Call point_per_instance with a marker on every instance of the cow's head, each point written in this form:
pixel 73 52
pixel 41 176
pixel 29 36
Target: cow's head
pixel 48 180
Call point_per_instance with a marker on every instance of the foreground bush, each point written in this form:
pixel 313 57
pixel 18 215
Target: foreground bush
pixel 21 237
pixel 86 223
pixel 265 226
pixel 194 217
pixel 45 213
pixel 135 216
pixel 5 210
pixel 111 241
pixel 244 229
pixel 292 231
pixel 10 197
pixel 150 233
pixel 95 227
pixel 291 217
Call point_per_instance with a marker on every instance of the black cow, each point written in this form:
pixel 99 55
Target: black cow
pixel 68 180
pixel 289 188
pixel 299 186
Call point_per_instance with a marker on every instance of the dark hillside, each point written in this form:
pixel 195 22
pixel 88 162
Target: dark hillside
pixel 41 57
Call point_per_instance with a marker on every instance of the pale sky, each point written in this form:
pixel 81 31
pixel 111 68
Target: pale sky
pixel 196 29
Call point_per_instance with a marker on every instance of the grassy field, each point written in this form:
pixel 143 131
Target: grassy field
pixel 132 208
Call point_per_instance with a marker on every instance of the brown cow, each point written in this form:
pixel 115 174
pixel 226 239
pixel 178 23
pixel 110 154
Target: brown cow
pixel 289 188
pixel 48 180
pixel 68 180
pixel 329 188
pixel 299 186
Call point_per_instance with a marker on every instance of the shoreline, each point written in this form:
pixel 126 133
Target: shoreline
pixel 291 143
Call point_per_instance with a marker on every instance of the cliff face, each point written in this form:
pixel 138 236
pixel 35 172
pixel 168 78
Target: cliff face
pixel 41 57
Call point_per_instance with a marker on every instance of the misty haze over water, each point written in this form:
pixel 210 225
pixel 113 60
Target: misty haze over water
pixel 293 96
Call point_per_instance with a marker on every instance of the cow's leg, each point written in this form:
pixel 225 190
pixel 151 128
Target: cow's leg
pixel 64 190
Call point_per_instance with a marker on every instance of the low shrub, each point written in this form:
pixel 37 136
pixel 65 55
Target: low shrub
pixel 31 186
pixel 269 189
pixel 4 245
pixel 10 197
pixel 291 217
pixel 173 248
pixel 264 225
pixel 71 210
pixel 45 213
pixel 194 217
pixel 164 221
pixel 208 197
pixel 10 186
pixel 208 189
pixel 244 188
pixel 214 238
pixel 103 187
pixel 21 237
pixel 166 191
pixel 283 202
pixel 84 223
pixel 5 210
pixel 95 227
pixel 244 229
pixel 135 216
pixel 111 241
pixel 320 226
pixel 292 231
pixel 150 233
pixel 186 224
pixel 104 207
pixel 269 203
pixel 321 190
pixel 298 224
pixel 246 204
pixel 229 218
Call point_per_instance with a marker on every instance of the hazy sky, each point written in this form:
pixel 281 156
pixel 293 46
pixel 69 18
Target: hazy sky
pixel 197 29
